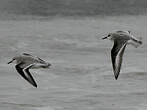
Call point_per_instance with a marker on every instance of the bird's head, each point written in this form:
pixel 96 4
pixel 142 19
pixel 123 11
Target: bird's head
pixel 109 36
pixel 117 35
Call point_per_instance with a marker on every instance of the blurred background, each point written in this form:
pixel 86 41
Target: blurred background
pixel 73 7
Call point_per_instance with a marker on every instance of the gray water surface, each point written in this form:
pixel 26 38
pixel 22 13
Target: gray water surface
pixel 81 76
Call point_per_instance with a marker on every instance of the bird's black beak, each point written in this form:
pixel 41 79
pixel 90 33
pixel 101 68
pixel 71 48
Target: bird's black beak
pixel 104 37
pixel 10 62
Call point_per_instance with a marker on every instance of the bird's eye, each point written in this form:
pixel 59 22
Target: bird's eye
pixel 109 35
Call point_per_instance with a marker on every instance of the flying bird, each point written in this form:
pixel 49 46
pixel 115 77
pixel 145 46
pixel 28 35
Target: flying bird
pixel 26 61
pixel 120 39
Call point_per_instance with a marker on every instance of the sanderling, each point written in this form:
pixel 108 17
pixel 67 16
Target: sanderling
pixel 26 61
pixel 121 39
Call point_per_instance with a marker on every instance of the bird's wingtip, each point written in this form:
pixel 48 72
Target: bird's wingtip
pixel 35 86
pixel 116 77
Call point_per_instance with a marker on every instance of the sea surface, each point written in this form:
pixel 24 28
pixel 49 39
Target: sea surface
pixel 81 76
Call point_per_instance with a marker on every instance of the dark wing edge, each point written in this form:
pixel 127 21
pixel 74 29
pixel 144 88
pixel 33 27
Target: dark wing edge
pixel 27 54
pixel 116 57
pixel 29 77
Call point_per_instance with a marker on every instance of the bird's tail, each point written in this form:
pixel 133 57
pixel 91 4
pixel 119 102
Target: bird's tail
pixel 135 42
pixel 139 41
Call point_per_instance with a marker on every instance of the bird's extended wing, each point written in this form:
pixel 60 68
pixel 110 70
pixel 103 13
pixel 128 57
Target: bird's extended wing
pixel 26 76
pixel 117 55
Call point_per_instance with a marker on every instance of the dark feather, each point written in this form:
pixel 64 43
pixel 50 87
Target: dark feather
pixel 26 54
pixel 29 77
pixel 114 52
